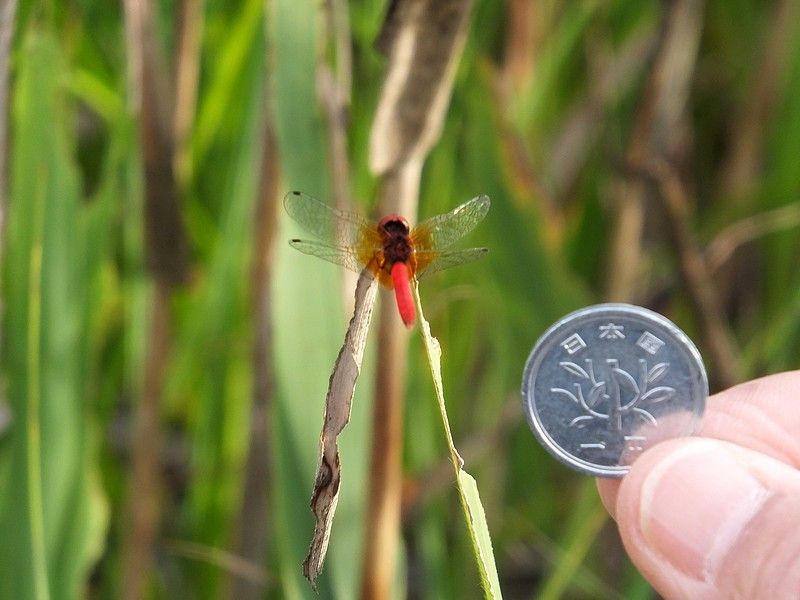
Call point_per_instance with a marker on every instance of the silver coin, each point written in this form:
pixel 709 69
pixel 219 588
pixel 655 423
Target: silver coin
pixel 607 382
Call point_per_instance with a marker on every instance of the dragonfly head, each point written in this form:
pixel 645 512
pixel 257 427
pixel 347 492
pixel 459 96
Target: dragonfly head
pixel 394 225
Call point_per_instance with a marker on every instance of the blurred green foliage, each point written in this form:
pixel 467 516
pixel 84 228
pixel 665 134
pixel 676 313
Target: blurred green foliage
pixel 76 294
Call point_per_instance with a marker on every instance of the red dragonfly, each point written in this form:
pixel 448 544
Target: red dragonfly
pixel 392 251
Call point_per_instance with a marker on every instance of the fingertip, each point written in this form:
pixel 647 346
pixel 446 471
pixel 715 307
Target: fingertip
pixel 608 490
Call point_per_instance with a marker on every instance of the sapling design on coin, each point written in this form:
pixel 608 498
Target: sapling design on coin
pixel 625 392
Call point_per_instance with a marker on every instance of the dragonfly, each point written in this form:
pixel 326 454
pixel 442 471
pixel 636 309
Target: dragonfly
pixel 390 249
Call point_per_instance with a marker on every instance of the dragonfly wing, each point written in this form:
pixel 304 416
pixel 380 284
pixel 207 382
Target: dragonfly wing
pixel 338 255
pixel 433 262
pixel 332 226
pixel 444 230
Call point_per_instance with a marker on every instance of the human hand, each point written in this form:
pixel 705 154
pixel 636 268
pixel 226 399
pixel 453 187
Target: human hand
pixel 718 515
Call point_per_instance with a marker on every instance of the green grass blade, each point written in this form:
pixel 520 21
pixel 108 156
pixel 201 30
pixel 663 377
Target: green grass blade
pixel 587 520
pixel 33 431
pixel 467 487
pixel 45 347
pixel 229 68
pixel 210 365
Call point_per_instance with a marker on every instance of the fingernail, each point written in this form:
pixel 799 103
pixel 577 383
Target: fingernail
pixel 696 504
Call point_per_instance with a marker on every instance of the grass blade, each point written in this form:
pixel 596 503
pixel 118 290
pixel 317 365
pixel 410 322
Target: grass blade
pixel 467 487
pixel 45 351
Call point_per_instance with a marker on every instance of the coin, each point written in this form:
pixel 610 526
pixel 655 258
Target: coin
pixel 607 382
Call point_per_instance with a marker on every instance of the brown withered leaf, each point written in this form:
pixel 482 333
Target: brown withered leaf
pixel 341 388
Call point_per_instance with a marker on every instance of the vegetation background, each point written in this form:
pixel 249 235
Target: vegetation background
pixel 165 354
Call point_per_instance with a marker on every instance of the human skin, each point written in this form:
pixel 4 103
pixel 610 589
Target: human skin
pixel 717 515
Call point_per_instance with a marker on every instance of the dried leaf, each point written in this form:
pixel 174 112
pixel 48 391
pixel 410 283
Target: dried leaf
pixel 341 388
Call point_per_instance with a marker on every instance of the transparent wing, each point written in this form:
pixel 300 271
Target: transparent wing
pixel 345 256
pixel 444 230
pixel 332 226
pixel 433 262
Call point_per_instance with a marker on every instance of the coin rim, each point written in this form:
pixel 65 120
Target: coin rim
pixel 537 427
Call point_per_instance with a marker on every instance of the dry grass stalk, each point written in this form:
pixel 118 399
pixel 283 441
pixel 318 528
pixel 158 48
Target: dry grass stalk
pixel 167 262
pixel 252 530
pixel 659 119
pixel 751 121
pixel 751 228
pixel 8 11
pixel 423 40
pixel 716 335
pixel 187 75
pixel 334 90
pixel 235 565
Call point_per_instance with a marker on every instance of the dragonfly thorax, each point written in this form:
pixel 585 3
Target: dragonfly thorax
pixel 394 232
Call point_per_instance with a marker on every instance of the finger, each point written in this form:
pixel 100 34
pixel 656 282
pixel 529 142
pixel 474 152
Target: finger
pixel 763 415
pixel 609 489
pixel 704 518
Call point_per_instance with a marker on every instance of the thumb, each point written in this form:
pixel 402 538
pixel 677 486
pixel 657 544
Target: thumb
pixel 704 518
